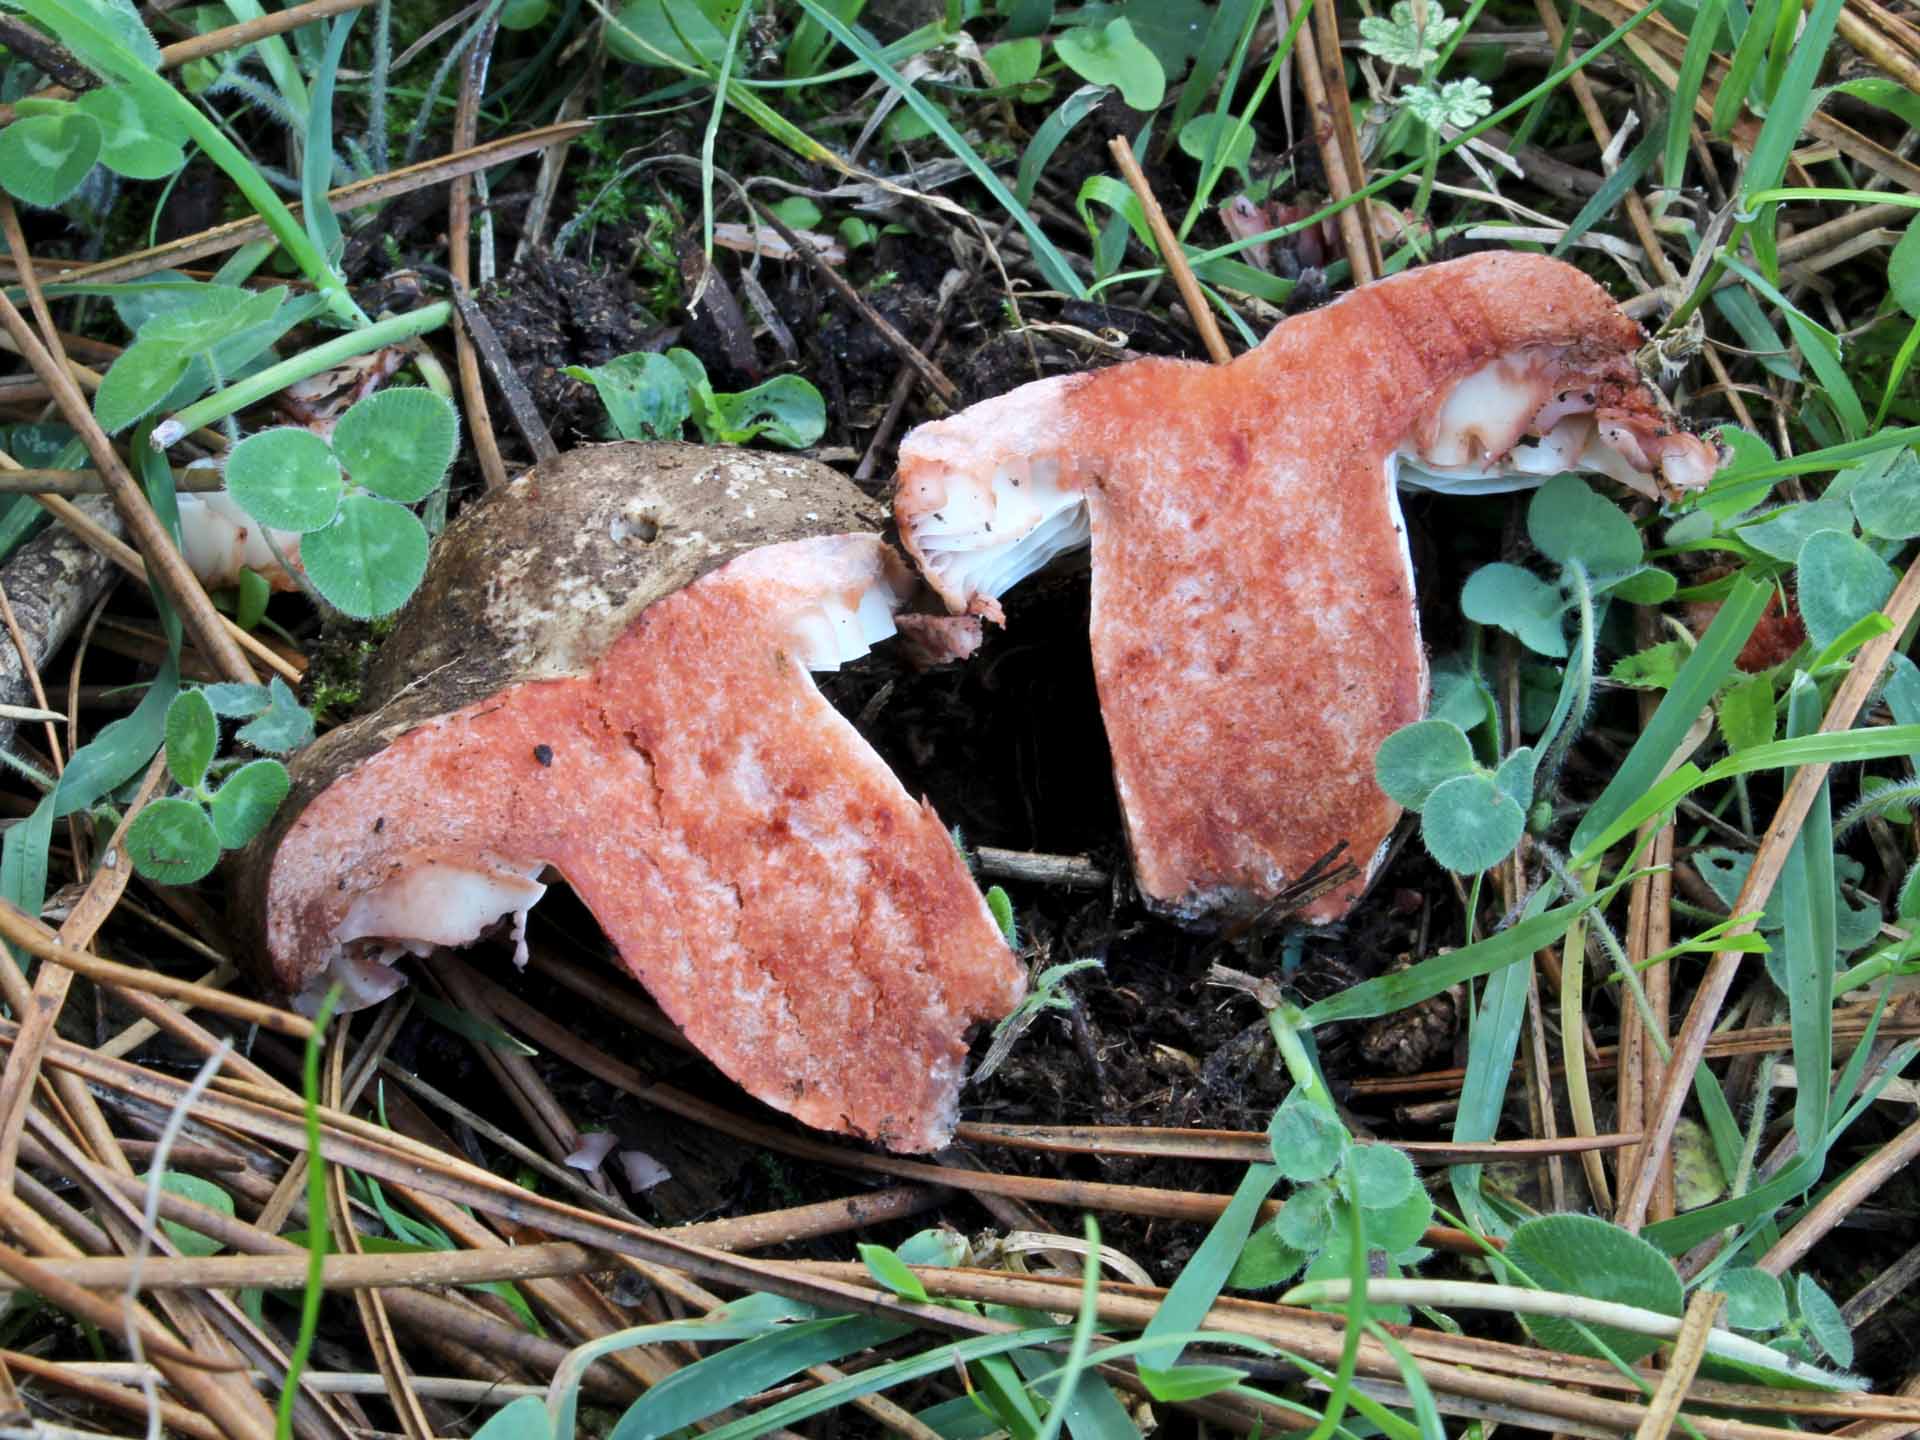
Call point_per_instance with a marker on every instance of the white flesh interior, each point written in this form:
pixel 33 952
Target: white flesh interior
pixel 218 538
pixel 1503 429
pixel 989 537
pixel 832 633
pixel 441 903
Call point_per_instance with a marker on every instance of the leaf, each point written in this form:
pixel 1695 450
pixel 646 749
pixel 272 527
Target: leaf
pixel 243 806
pixel 1649 585
pixel 1265 1261
pixel 397 443
pixel 1402 40
pixel 1112 54
pixel 1014 62
pixel 672 33
pixel 1756 1300
pixel 370 560
pixel 797 211
pixel 203 1192
pixel 1307 1139
pixel 192 736
pixel 525 1419
pixel 1780 533
pixel 1886 496
pixel 1651 669
pixel 172 842
pixel 1514 778
pixel 645 395
pixel 137 381
pixel 1228 135
pixel 1584 1255
pixel 1397 1228
pixel 284 726
pixel 136 142
pixel 1306 1220
pixel 1825 1323
pixel 1456 103
pixel 1519 602
pixel 1903 270
pixel 235 701
pixel 1383 1177
pixel 1470 825
pixel 1567 521
pixel 787 410
pixel 1841 581
pixel 523 14
pixel 892 1272
pixel 286 478
pixel 1000 906
pixel 212 313
pixel 1417 758
pixel 1746 714
pixel 43 158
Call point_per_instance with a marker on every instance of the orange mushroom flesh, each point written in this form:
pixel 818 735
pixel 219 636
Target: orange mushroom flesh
pixel 807 924
pixel 1254 630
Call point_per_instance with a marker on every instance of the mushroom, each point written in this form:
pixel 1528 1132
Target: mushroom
pixel 1254 630
pixel 605 676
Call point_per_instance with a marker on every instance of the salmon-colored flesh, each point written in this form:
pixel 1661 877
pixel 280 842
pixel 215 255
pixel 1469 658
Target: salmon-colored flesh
pixel 1254 630
pixel 808 925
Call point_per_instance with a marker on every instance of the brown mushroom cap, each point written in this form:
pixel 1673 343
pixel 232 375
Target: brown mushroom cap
pixel 1254 630
pixel 606 672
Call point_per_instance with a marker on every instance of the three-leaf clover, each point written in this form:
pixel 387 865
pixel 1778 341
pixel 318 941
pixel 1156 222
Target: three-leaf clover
pixel 177 840
pixel 1456 103
pixel 48 150
pixel 1402 40
pixel 347 499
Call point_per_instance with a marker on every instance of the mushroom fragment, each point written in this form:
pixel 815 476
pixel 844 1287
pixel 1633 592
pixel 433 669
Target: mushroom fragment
pixel 605 673
pixel 1253 622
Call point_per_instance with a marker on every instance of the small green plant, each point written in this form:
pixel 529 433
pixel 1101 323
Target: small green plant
pixel 360 544
pixel 1472 815
pixel 653 397
pixel 178 839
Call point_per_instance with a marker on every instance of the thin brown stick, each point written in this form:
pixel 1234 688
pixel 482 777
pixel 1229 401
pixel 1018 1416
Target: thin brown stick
pixel 1313 85
pixel 128 559
pixel 28 933
pixel 1172 253
pixel 1768 861
pixel 381 188
pixel 1689 1349
pixel 175 1416
pixel 166 562
pixel 1839 1202
pixel 1245 1147
pixel 1637 214
pixel 935 377
pixel 1367 264
pixel 89 482
pixel 466 122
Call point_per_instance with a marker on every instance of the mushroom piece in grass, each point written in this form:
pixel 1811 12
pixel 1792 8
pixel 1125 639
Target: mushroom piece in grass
pixel 1254 630
pixel 605 672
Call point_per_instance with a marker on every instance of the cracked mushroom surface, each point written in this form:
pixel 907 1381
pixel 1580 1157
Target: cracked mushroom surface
pixel 606 674
pixel 1254 630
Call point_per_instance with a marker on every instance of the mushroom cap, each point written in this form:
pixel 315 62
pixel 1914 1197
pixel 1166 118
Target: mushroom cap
pixel 1254 630
pixel 606 673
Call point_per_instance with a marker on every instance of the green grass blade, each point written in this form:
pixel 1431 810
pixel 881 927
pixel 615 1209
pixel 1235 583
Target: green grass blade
pixel 1054 129
pixel 1199 1284
pixel 1053 265
pixel 1611 192
pixel 1495 1039
pixel 316 169
pixel 716 1382
pixel 1686 89
pixel 1699 679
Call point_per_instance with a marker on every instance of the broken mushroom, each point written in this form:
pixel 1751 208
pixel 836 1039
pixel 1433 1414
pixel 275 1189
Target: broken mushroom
pixel 605 674
pixel 1253 622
